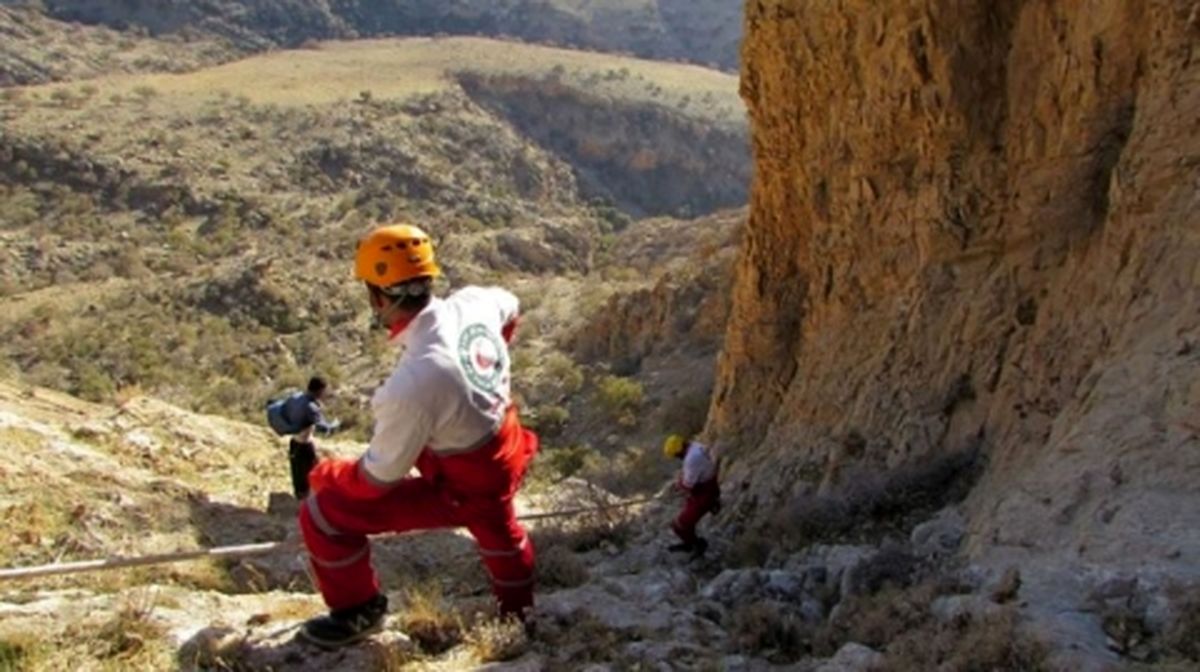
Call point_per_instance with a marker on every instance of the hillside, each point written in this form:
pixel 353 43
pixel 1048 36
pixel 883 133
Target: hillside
pixel 88 481
pixel 152 222
pixel 35 49
pixel 970 271
pixel 700 32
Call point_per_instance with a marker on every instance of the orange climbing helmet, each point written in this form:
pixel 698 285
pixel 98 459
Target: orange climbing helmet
pixel 393 254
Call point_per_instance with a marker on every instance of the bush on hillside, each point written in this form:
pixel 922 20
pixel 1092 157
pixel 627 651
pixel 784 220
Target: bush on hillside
pixel 620 398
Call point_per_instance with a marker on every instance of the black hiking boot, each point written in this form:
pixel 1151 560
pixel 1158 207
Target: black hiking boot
pixel 346 626
pixel 700 547
pixel 681 547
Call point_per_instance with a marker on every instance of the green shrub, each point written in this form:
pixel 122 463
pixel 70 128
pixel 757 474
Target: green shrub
pixel 566 462
pixel 631 471
pixel 566 375
pixel 12 655
pixel 93 384
pixel 550 419
pixel 620 398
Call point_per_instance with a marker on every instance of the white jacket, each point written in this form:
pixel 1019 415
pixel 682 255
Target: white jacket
pixel 699 464
pixel 452 386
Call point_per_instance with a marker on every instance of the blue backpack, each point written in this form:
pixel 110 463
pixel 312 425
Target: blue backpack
pixel 277 417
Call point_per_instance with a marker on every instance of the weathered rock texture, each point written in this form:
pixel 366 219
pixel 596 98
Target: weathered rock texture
pixel 975 228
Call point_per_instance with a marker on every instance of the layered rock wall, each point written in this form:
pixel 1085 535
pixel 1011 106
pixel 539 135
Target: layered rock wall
pixel 975 227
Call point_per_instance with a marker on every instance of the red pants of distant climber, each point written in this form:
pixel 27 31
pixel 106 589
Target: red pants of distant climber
pixel 474 490
pixel 703 498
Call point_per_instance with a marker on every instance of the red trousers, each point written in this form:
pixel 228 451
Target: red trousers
pixel 702 498
pixel 474 490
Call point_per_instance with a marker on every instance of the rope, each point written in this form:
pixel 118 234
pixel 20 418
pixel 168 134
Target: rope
pixel 240 551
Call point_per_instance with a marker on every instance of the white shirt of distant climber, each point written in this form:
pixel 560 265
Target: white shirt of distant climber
pixel 452 386
pixel 699 464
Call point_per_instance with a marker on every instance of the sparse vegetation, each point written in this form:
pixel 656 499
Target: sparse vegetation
pixel 431 621
pixel 559 567
pixel 15 654
pixel 494 640
pixel 192 247
pixel 621 398
pixel 762 627
pixel 132 633
pixel 1183 637
pixel 869 501
pixel 145 92
pixel 991 643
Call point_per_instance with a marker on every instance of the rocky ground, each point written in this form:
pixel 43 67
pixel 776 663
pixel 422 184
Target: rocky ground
pixel 89 481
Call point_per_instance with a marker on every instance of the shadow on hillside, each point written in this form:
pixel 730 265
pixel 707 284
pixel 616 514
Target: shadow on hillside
pixel 402 561
pixel 275 647
pixel 221 524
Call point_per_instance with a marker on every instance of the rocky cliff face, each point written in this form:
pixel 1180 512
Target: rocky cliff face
pixel 974 231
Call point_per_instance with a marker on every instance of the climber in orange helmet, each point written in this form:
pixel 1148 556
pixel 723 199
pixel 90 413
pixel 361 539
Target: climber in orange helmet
pixel 446 409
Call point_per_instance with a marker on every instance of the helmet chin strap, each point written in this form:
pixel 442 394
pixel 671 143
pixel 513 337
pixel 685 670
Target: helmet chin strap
pixel 390 317
pixel 384 317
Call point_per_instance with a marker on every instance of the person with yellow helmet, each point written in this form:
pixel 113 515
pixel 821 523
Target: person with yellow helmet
pixel 699 479
pixel 446 409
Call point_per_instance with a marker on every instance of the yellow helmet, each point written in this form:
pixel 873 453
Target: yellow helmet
pixel 394 254
pixel 673 446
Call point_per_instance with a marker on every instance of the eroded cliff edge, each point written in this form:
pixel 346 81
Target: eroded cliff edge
pixel 975 229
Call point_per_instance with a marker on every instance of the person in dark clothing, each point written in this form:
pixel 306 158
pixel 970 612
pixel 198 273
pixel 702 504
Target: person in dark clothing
pixel 300 415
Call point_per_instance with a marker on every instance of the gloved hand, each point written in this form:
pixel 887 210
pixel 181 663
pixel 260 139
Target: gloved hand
pixel 680 487
pixel 342 474
pixel 329 471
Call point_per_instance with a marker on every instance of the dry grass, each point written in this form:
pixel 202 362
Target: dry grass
pixel 899 623
pixel 131 631
pixel 129 638
pixel 590 530
pixel 1183 636
pixel 870 503
pixel 750 549
pixel 578 638
pixel 430 619
pixel 989 644
pixel 875 620
pixel 765 628
pixel 17 652
pixel 558 567
pixel 402 68
pixel 496 640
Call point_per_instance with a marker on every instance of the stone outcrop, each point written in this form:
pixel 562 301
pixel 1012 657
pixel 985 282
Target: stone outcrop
pixel 973 231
